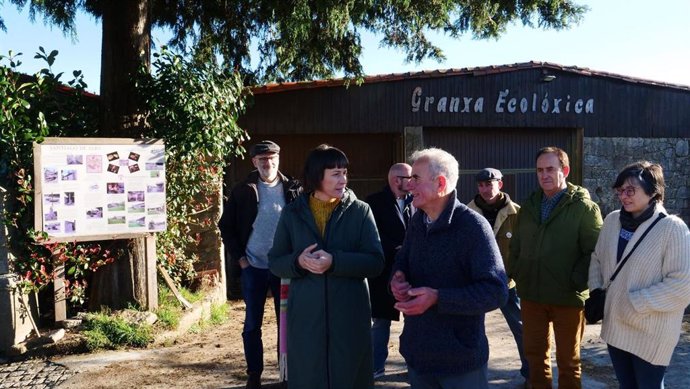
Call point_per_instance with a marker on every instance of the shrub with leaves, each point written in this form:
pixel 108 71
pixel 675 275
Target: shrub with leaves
pixel 32 108
pixel 194 107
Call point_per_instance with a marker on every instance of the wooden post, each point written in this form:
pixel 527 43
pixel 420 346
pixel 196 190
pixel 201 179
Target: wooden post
pixel 151 279
pixel 59 294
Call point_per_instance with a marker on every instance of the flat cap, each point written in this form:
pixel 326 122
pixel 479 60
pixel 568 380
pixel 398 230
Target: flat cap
pixel 488 174
pixel 264 147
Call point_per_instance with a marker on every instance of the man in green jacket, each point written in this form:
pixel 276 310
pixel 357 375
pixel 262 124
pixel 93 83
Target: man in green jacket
pixel 555 234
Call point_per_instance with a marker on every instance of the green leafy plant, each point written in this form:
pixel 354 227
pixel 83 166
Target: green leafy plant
pixel 106 331
pixel 194 107
pixel 32 108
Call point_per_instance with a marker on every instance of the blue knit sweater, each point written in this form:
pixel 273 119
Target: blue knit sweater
pixel 458 256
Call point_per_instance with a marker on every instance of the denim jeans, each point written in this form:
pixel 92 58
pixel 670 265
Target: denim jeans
pixel 511 312
pixel 380 334
pixel 475 379
pixel 255 286
pixel 634 372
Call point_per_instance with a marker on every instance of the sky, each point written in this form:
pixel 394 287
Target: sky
pixel 627 37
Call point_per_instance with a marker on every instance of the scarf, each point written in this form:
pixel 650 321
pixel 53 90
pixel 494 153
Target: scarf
pixel 630 223
pixel 628 226
pixel 490 211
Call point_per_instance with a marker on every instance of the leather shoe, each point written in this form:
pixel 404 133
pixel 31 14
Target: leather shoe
pixel 254 381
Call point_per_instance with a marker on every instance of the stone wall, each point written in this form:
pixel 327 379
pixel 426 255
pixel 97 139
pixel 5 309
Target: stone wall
pixel 605 157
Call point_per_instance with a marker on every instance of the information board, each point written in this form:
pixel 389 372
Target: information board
pixel 99 188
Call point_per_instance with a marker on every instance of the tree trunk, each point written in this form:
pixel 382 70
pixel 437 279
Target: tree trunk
pixel 126 47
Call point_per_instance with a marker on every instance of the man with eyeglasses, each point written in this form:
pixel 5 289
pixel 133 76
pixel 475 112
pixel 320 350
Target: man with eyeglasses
pixel 446 276
pixel 247 227
pixel 392 210
pixel 501 212
pixel 555 234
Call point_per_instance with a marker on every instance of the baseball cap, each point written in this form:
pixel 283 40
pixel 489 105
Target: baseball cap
pixel 263 147
pixel 488 174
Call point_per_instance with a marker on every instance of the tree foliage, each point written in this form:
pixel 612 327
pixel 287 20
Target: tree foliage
pixel 306 39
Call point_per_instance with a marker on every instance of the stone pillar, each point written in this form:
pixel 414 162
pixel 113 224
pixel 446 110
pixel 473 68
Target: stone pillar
pixel 15 325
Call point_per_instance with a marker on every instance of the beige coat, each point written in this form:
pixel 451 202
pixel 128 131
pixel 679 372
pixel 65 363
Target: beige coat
pixel 503 229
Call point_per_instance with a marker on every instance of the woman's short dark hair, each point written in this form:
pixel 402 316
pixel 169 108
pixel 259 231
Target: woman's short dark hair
pixel 321 158
pixel 650 177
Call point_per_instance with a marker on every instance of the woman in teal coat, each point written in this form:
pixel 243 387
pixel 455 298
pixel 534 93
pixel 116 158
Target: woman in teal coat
pixel 327 245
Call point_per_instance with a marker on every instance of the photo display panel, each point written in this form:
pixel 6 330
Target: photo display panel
pixel 95 188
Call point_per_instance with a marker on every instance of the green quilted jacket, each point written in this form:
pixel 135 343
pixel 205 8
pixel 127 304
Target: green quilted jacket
pixel 549 261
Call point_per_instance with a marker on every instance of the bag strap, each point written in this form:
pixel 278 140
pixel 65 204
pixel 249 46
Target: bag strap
pixel 620 266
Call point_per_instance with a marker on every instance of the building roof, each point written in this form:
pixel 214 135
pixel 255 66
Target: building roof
pixel 474 71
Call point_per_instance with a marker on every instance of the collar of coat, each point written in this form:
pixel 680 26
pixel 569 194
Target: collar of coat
pixel 446 216
pixel 573 193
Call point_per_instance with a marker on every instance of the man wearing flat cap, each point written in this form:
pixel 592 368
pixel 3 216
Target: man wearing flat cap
pixel 501 212
pixel 247 227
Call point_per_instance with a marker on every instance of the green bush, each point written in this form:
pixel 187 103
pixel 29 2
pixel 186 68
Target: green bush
pixel 193 106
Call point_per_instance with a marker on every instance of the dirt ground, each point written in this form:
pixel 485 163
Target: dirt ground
pixel 214 359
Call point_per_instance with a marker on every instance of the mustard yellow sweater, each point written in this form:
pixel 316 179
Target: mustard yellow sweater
pixel 322 211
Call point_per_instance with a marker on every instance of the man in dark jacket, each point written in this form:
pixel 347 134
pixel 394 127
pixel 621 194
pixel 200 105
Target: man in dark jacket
pixel 247 227
pixel 501 212
pixel 392 210
pixel 554 236
pixel 446 276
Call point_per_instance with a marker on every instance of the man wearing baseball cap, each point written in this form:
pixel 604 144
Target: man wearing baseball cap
pixel 501 212
pixel 247 226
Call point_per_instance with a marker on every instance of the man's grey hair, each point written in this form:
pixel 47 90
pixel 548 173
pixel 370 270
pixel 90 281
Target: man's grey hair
pixel 441 163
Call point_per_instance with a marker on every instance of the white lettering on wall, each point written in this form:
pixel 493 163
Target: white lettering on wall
pixel 505 102
pixel 416 98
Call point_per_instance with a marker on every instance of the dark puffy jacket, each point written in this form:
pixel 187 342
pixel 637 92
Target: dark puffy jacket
pixel 240 211
pixel 329 320
pixel 550 261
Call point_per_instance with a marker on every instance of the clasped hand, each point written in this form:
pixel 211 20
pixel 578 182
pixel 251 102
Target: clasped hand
pixel 317 262
pixel 411 301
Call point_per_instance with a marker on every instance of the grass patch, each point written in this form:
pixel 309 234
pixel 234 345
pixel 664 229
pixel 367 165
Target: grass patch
pixel 196 328
pixel 169 309
pixel 104 331
pixel 168 317
pixel 190 296
pixel 219 314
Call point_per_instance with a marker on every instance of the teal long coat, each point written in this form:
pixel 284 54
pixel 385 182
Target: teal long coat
pixel 329 317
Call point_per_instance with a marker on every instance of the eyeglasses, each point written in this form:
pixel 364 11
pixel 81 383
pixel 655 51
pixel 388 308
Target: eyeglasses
pixel 404 177
pixel 628 191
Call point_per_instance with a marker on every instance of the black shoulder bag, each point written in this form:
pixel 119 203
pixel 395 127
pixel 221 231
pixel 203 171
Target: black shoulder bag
pixel 594 305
